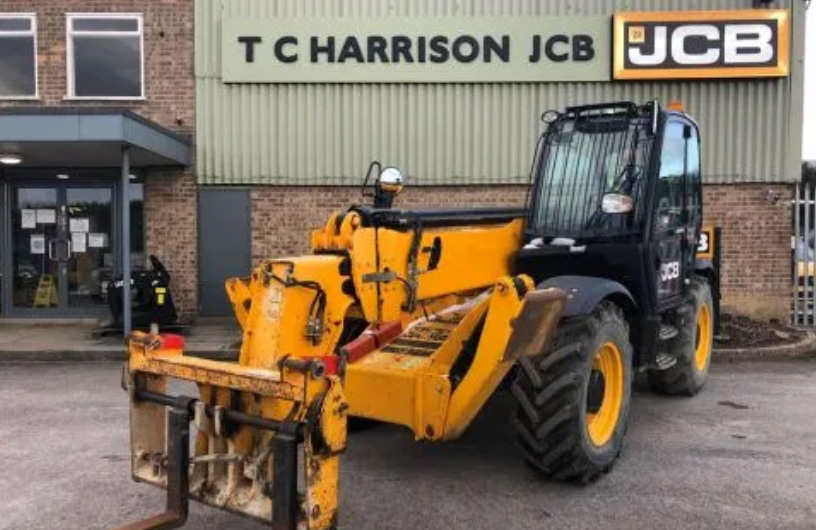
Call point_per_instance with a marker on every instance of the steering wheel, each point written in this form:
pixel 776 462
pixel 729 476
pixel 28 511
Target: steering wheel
pixel 159 267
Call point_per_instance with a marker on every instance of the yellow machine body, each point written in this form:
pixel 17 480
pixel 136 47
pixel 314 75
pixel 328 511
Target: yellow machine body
pixel 458 318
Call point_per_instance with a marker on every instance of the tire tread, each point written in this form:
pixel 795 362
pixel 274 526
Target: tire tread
pixel 548 389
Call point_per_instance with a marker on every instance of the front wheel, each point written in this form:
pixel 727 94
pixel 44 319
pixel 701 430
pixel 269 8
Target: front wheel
pixel 573 399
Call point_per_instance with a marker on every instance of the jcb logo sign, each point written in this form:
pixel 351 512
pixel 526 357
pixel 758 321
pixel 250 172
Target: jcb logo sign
pixel 701 44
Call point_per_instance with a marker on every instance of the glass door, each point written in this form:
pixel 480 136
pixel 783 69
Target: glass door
pixel 62 256
pixel 35 269
pixel 90 264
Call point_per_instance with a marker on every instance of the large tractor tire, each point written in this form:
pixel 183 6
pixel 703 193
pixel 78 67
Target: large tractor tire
pixel 692 347
pixel 573 399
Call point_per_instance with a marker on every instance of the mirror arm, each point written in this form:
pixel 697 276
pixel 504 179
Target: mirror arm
pixel 382 199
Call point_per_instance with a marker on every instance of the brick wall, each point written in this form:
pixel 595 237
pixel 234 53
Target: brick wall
pixel 170 210
pixel 170 196
pixel 756 231
pixel 756 246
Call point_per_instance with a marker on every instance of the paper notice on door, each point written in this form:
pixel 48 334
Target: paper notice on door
pixel 46 216
pixel 79 241
pixel 37 244
pixel 79 224
pixel 97 240
pixel 28 219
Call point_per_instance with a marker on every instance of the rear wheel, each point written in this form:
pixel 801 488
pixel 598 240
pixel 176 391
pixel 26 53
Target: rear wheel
pixel 573 400
pixel 692 347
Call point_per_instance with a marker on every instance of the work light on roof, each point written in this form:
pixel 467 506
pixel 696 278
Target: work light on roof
pixel 550 116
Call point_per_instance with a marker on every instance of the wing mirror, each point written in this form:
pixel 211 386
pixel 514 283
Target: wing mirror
pixel 617 203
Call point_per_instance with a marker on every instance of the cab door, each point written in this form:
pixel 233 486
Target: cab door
pixel 677 210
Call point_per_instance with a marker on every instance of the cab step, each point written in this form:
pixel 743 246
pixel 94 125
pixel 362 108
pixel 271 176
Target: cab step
pixel 664 361
pixel 668 332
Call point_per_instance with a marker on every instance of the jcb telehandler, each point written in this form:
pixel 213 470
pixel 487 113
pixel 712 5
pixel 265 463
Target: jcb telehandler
pixel 415 317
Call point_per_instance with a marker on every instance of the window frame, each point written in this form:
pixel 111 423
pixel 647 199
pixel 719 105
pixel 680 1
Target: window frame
pixel 32 32
pixel 70 87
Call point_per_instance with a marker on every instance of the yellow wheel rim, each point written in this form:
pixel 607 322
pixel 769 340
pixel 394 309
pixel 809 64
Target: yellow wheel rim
pixel 702 350
pixel 601 425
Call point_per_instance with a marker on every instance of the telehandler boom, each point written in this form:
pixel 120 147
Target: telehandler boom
pixel 415 317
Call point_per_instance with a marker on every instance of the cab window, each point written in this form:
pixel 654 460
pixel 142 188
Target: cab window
pixel 693 179
pixel 671 181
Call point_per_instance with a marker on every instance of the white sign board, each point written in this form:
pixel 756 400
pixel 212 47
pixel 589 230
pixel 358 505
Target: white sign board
pixel 28 219
pixel 79 224
pixel 79 242
pixel 37 244
pixel 46 216
pixel 415 50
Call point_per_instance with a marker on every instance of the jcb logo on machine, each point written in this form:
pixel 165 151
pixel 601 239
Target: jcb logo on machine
pixel 705 243
pixel 669 271
pixel 702 44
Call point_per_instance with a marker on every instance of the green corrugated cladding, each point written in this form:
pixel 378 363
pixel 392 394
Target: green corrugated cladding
pixel 326 134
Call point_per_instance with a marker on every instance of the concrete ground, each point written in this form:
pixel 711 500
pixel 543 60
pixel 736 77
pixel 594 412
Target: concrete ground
pixel 23 340
pixel 740 455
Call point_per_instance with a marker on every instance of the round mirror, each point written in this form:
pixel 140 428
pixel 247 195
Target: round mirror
pixel 391 179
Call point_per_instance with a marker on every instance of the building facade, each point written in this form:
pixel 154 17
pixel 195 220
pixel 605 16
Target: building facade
pixel 287 102
pixel 76 79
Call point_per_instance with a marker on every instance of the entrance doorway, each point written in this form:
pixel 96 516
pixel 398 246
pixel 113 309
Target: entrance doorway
pixel 62 194
pixel 61 251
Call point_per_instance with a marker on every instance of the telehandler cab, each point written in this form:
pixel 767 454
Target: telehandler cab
pixel 415 317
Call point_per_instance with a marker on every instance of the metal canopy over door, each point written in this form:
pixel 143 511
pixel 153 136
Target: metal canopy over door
pixel 60 255
pixel 89 140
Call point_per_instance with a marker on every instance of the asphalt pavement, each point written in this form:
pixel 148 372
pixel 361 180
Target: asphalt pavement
pixel 741 455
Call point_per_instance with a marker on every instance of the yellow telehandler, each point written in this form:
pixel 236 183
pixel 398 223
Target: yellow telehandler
pixel 415 317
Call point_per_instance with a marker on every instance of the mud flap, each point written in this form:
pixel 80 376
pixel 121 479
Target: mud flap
pixel 535 323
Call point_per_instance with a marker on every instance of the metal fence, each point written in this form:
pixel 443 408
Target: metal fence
pixel 803 248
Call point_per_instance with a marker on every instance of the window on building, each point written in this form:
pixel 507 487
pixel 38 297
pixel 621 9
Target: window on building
pixel 18 56
pixel 105 54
